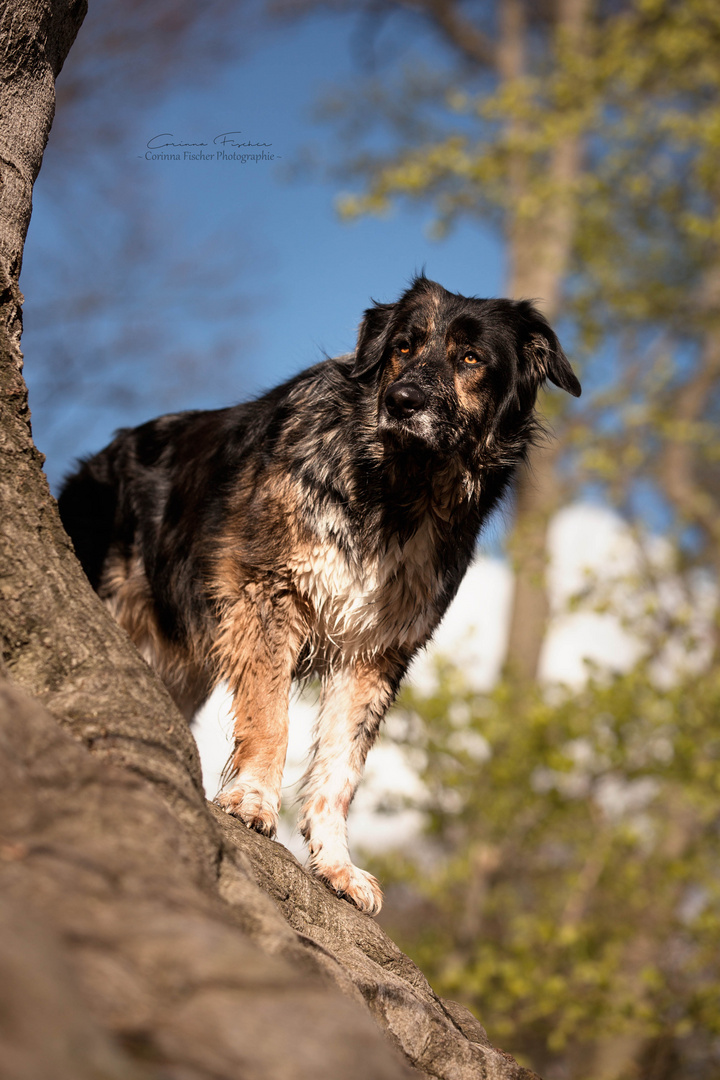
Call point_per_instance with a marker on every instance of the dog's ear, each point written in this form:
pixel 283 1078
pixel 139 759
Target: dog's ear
pixel 372 338
pixel 543 351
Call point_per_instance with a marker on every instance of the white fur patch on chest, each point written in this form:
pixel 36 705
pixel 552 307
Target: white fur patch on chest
pixel 388 599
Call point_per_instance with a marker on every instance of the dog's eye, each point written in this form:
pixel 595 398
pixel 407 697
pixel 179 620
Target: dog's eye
pixel 471 358
pixel 403 347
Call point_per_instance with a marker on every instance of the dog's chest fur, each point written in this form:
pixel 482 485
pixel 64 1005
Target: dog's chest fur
pixel 368 602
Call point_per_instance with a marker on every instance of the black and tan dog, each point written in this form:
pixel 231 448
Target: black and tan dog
pixel 321 530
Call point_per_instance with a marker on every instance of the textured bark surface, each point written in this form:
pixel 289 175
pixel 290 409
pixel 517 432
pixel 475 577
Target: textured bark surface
pixel 144 935
pixel 126 953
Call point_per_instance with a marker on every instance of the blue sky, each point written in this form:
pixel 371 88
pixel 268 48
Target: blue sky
pixel 305 276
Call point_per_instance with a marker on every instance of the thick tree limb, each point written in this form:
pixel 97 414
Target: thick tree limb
pixel 162 966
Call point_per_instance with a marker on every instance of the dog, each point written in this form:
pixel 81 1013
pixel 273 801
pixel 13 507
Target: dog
pixel 319 531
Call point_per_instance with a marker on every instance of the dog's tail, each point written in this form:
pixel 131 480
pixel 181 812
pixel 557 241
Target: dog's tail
pixel 88 506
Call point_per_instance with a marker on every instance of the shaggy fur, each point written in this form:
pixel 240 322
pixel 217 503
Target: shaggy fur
pixel 321 530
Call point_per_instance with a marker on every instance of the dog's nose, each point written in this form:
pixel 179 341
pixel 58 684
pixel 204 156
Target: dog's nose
pixel 404 399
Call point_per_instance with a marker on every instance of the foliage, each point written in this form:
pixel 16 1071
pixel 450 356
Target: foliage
pixel 569 874
pixel 642 93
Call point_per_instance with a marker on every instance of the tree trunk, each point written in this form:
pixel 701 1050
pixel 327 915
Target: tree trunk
pixel 143 934
pixel 540 249
pixel 696 503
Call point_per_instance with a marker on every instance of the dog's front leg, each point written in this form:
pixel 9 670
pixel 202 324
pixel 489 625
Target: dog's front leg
pixel 354 701
pixel 256 650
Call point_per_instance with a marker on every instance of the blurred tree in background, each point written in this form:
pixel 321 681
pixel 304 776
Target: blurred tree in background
pixel 568 889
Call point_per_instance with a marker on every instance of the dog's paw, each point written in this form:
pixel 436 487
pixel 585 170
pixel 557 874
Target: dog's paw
pixel 252 807
pixel 355 885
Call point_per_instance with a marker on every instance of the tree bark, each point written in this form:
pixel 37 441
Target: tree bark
pixel 147 936
pixel 148 956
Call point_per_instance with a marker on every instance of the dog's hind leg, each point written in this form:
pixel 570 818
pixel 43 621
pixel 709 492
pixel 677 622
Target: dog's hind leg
pixel 256 649
pixel 354 701
pixel 126 591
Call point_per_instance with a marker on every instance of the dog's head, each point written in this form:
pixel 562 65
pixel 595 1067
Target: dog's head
pixel 451 369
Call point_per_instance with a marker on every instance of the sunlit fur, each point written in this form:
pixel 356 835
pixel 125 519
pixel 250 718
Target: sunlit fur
pixel 321 530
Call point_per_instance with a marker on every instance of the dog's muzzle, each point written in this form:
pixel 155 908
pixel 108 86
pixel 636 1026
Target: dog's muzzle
pixel 402 400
